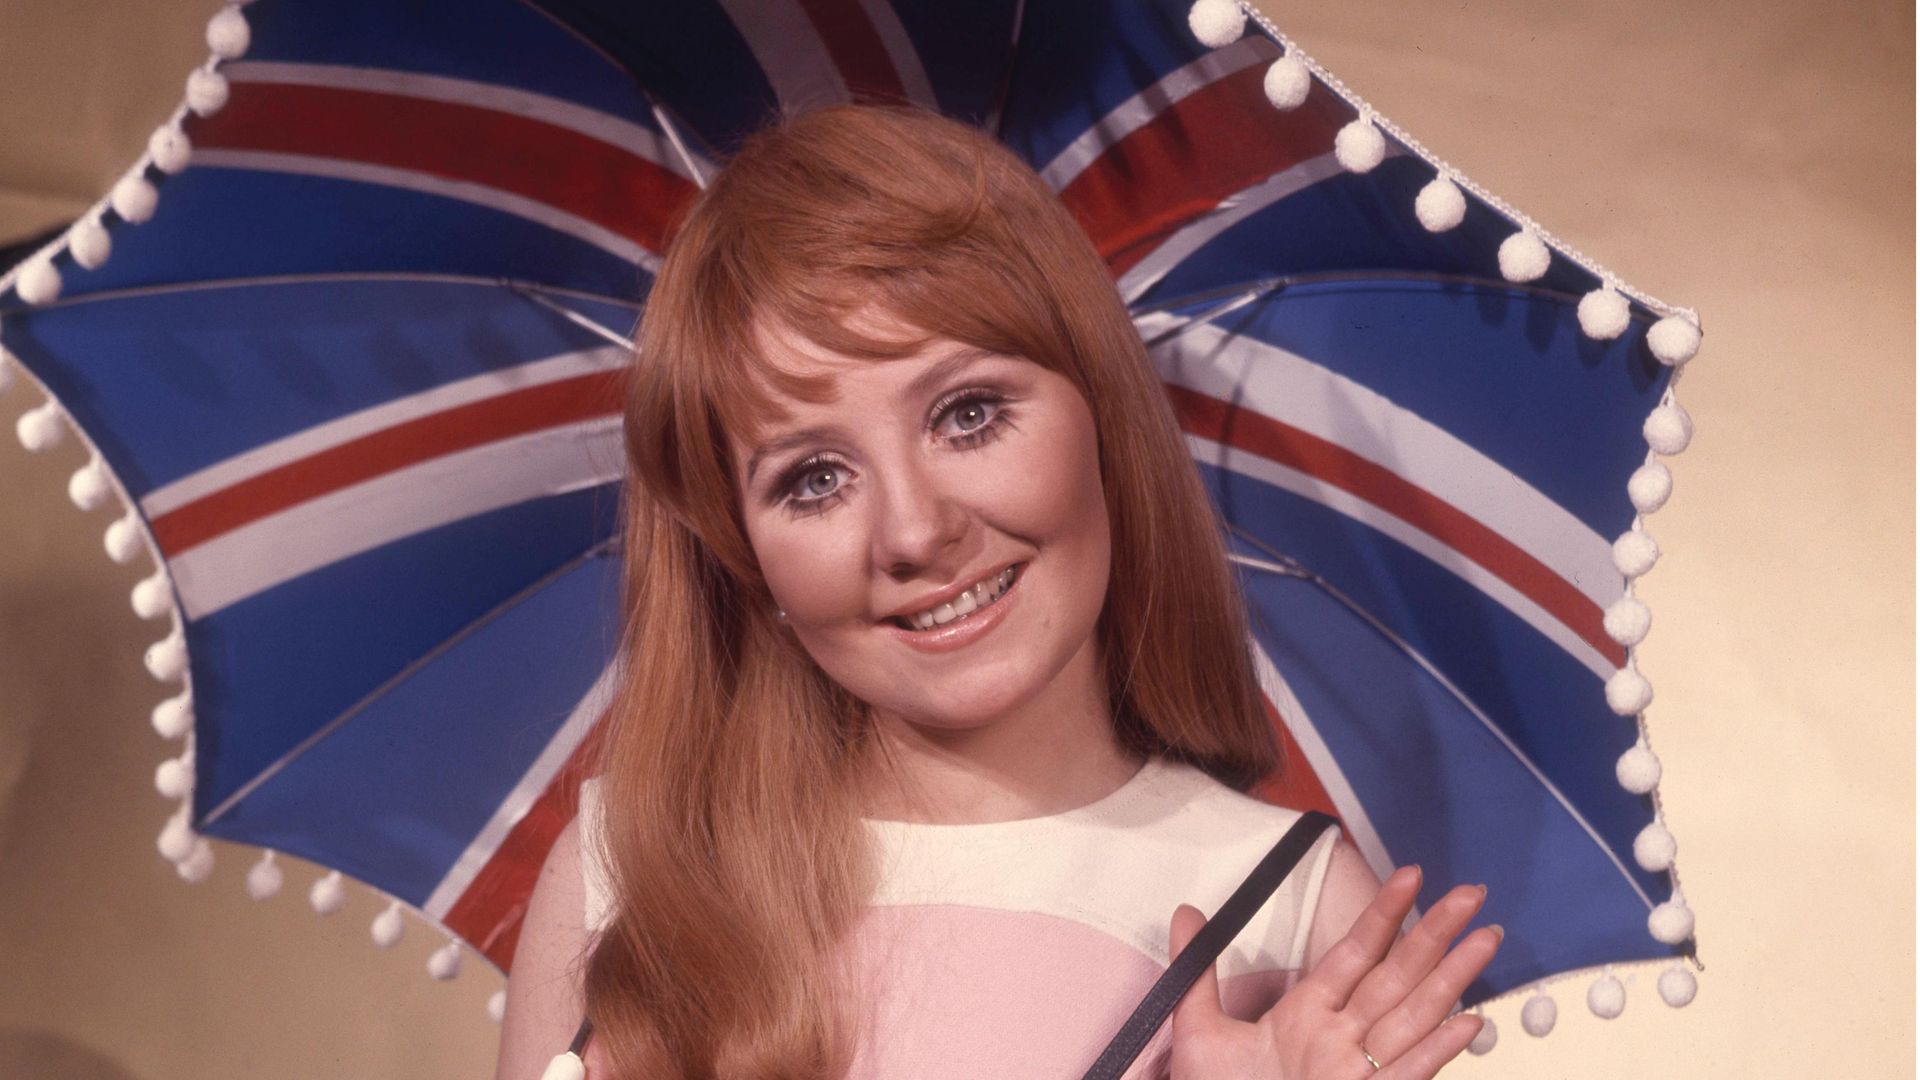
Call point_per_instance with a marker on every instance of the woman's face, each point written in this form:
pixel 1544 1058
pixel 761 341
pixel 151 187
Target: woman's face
pixel 935 531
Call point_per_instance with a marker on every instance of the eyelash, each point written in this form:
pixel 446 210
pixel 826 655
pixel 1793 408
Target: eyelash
pixel 992 428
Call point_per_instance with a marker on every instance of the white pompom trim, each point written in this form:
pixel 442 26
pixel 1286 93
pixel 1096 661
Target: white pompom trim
pixel 1677 987
pixel 1485 1039
pixel 1604 313
pixel 265 879
pixel 1673 340
pixel 207 91
pixel 328 895
pixel 175 841
pixel 1288 82
pixel 1538 1015
pixel 1634 554
pixel 1627 620
pixel 1628 692
pixel 1217 23
pixel 446 961
pixel 1668 429
pixel 153 596
pixel 38 281
pixel 1649 487
pixel 1638 770
pixel 135 199
pixel 122 539
pixel 1670 923
pixel 89 487
pixel 198 864
pixel 170 149
pixel 388 926
pixel 1359 146
pixel 1607 997
pixel 166 659
pixel 228 34
pixel 1440 205
pixel 89 243
pixel 42 427
pixel 1654 848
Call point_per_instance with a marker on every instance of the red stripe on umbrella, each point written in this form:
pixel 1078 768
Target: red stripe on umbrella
pixel 1284 444
pixel 583 176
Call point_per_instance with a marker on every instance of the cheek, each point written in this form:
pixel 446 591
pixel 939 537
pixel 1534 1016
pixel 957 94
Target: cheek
pixel 814 572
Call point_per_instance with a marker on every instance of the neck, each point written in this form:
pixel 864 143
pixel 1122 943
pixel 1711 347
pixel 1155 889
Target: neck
pixel 1049 755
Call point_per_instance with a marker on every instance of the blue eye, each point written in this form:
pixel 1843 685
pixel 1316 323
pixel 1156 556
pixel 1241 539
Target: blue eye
pixel 813 485
pixel 970 417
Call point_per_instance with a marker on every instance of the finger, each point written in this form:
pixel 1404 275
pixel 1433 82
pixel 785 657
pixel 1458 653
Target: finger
pixel 1428 1004
pixel 1413 956
pixel 1200 1005
pixel 1334 978
pixel 1441 1045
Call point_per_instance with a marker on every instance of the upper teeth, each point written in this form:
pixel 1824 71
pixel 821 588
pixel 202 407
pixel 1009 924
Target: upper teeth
pixel 977 596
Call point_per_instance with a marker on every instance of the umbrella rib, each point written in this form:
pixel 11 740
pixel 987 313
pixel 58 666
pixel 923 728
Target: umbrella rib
pixel 569 314
pixel 997 112
pixel 314 739
pixel 673 136
pixel 1287 567
pixel 139 291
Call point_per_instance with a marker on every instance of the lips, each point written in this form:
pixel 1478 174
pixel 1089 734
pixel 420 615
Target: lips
pixel 961 604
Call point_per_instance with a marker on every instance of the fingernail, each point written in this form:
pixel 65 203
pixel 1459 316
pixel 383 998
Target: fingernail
pixel 1483 891
pixel 1499 932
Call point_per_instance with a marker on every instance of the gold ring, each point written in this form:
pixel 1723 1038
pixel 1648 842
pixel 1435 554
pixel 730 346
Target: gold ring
pixel 1369 1057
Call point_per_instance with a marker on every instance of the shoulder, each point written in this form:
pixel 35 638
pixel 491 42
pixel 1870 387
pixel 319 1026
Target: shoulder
pixel 596 892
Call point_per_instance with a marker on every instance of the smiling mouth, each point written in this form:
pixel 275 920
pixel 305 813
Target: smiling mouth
pixel 980 596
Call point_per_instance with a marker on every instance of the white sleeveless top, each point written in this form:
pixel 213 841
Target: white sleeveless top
pixel 1017 949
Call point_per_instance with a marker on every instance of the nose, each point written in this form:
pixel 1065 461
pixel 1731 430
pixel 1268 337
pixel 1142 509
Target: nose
pixel 917 522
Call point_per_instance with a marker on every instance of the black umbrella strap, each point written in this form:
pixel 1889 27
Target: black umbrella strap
pixel 1206 945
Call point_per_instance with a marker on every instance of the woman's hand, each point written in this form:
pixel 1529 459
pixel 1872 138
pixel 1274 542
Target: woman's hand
pixel 1369 995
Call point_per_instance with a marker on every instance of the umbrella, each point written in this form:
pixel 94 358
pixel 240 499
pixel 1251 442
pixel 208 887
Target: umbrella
pixel 345 346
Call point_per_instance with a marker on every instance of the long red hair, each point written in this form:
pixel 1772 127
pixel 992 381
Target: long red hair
pixel 738 859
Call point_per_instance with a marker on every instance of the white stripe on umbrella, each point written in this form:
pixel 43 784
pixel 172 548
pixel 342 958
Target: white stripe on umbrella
pixel 790 51
pixel 636 139
pixel 906 62
pixel 1233 210
pixel 1350 505
pixel 532 784
pixel 358 425
pixel 319 532
pixel 461 190
pixel 1139 110
pixel 1281 385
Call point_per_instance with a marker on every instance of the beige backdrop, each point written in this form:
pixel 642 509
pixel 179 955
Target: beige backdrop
pixel 1750 159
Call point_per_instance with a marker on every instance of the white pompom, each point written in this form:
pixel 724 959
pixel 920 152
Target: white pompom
pixel 265 879
pixel 89 487
pixel 170 149
pixel 6 369
pixel 1627 620
pixel 166 659
pixel 134 198
pixel 1634 553
pixel 1649 487
pixel 1668 429
pixel 1217 23
pixel 1670 923
pixel 565 1066
pixel 174 777
pixel 388 926
pixel 328 895
pixel 444 964
pixel 1677 987
pixel 1604 313
pixel 1628 692
pixel 41 428
pixel 228 34
pixel 1440 205
pixel 153 596
pixel 39 281
pixel 1359 146
pixel 1288 82
pixel 173 717
pixel 1607 997
pixel 176 837
pixel 1538 1014
pixel 207 91
pixel 1654 848
pixel 1638 770
pixel 497 1006
pixel 123 538
pixel 1524 257
pixel 89 243
pixel 198 864
pixel 1484 1040
pixel 1673 340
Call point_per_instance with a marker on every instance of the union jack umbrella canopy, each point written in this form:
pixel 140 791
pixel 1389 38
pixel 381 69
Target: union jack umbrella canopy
pixel 347 343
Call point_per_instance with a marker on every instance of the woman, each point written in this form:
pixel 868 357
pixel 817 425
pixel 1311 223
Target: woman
pixel 937 706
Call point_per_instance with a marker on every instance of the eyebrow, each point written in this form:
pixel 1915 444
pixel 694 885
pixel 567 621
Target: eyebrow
pixel 942 369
